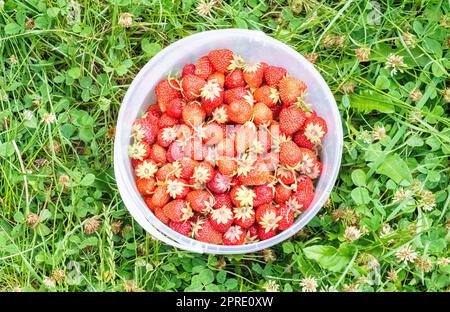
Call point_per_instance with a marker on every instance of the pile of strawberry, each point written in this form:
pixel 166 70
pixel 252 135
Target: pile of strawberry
pixel 228 154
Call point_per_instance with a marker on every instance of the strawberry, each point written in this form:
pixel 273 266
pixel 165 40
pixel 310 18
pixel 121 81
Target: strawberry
pixel 242 196
pixel 264 234
pixel 203 173
pixel 154 110
pixel 234 79
pixel 187 167
pixel 264 195
pixel 219 183
pixel 226 147
pixel 282 193
pixel 262 115
pixel 220 59
pixel 167 90
pixel 276 110
pixel 193 114
pixel 304 183
pixel 139 150
pixel 183 132
pixel 188 69
pixel 165 172
pixel 175 151
pixel 227 167
pixel 177 188
pixel 184 227
pixel 203 231
pixel 223 199
pixel 291 90
pixel 220 114
pixel 315 129
pixel 273 74
pixel 178 210
pixel 291 120
pixel 159 213
pixel 244 216
pixel 309 165
pixel 174 108
pixel 203 67
pixel 213 133
pixel 252 235
pixel 148 202
pixel 235 94
pixel 220 77
pixel 245 138
pixel 267 95
pixel 146 169
pixel 200 200
pixel 235 235
pixel 160 196
pixel 211 96
pixel 145 186
pixel 166 121
pixel 240 111
pixel 308 152
pixel 145 128
pixel 264 141
pixel 221 218
pixel 254 74
pixel 305 192
pixel 267 218
pixel 287 217
pixel 259 175
pixel 166 136
pixel 301 140
pixel 191 86
pixel 158 154
pixel 290 153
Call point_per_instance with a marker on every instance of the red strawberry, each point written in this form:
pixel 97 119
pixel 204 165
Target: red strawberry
pixel 273 74
pixel 285 176
pixel 315 129
pixel 148 202
pixel 203 173
pixel 211 96
pixel 245 138
pixel 262 115
pixel 158 154
pixel 252 234
pixel 188 69
pixel 291 120
pixel 290 153
pixel 219 183
pixel 159 213
pixel 178 211
pixel 146 169
pixel 200 200
pixel 287 217
pixel 166 136
pixel 291 90
pixel 187 167
pixel 193 114
pixel 234 79
pixel 154 110
pixel 223 199
pixel 227 167
pixel 240 111
pixel 191 86
pixel 203 67
pixel 220 77
pixel 166 91
pixel 174 108
pixel 160 197
pixel 165 172
pixel 235 235
pixel 235 94
pixel 264 140
pixel 177 188
pixel 259 175
pixel 175 152
pixel 226 147
pixel 242 196
pixel 220 59
pixel 276 110
pixel 139 150
pixel 282 193
pixel 267 95
pixel 145 186
pixel 135 162
pixel 254 74
pixel 184 227
pixel 213 133
pixel 244 216
pixel 221 218
pixel 267 218
pixel 302 141
pixel 166 121
pixel 305 192
pixel 203 231
pixel 264 195
pixel 145 128
pixel 264 234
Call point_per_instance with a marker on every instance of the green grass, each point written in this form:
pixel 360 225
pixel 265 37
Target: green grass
pixel 79 69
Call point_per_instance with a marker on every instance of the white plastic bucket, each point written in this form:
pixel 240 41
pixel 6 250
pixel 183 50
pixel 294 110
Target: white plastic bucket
pixel 252 46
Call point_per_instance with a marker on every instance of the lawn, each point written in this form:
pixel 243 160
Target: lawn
pixel 65 67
